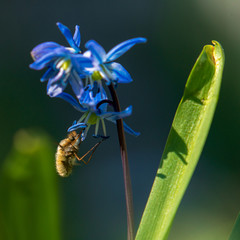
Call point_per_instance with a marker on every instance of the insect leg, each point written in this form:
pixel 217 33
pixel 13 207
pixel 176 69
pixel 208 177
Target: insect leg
pixel 93 149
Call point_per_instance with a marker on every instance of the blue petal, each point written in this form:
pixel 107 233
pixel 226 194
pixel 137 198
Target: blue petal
pixel 42 49
pixel 68 35
pixel 113 116
pixel 55 89
pixel 48 74
pixel 77 36
pixel 129 130
pixel 57 84
pixel 119 73
pixel 67 97
pixel 101 95
pixel 76 126
pixel 60 76
pixel 123 47
pixel 85 98
pixel 95 89
pixel 76 83
pixel 103 107
pixel 81 62
pixel 89 100
pixel 97 51
pixel 48 57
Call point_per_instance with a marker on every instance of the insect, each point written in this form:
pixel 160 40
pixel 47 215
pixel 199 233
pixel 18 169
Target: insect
pixel 66 155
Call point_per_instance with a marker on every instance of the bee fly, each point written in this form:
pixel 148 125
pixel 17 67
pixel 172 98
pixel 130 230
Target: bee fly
pixel 66 155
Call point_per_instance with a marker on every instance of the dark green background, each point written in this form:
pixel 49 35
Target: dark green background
pixel 93 205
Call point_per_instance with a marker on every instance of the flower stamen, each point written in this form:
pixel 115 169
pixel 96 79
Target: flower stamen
pixel 104 127
pixel 97 127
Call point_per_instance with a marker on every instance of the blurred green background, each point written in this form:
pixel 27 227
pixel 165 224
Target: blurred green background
pixel 92 200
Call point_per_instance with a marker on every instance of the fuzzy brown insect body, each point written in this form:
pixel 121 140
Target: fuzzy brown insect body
pixel 66 154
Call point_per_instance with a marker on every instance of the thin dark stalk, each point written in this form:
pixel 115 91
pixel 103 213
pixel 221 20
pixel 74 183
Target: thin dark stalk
pixel 125 165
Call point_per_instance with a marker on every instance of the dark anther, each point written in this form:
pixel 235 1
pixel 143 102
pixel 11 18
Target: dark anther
pixel 101 136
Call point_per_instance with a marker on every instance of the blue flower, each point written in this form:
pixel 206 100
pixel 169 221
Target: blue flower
pixel 94 103
pixel 103 65
pixel 64 64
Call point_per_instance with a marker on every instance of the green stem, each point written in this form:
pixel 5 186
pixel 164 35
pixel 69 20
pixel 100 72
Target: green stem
pixel 126 171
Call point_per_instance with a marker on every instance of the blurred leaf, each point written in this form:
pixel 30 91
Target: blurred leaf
pixel 184 145
pixel 235 234
pixel 29 207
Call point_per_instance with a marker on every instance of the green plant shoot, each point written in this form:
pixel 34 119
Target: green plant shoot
pixel 184 144
pixel 235 234
pixel 29 205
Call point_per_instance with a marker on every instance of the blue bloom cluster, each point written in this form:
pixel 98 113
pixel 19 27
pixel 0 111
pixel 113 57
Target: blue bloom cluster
pixel 86 73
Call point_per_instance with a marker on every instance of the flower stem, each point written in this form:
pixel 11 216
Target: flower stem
pixel 125 165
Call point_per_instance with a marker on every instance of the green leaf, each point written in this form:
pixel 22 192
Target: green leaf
pixel 235 234
pixel 185 143
pixel 29 206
